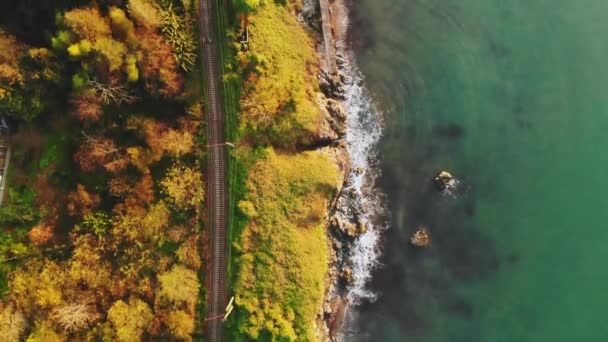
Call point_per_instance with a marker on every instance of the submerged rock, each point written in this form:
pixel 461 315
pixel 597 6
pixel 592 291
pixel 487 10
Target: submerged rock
pixel 420 238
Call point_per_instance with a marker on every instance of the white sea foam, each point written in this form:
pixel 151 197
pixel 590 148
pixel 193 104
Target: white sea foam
pixel 364 130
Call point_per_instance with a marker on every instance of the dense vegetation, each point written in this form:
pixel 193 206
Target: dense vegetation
pixel 280 250
pixel 100 225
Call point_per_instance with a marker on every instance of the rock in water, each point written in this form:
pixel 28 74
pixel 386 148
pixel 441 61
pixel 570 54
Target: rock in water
pixel 420 238
pixel 446 183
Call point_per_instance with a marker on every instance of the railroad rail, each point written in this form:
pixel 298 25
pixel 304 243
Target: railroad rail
pixel 216 174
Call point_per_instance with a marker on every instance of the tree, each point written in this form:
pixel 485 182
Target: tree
pixel 74 317
pixel 161 139
pixel 130 320
pixel 184 186
pixel 37 285
pixel 44 332
pixel 188 253
pixel 81 202
pixel 180 34
pixel 87 23
pixel 111 93
pixel 158 65
pixel 179 286
pixel 113 51
pixel 87 106
pixel 149 227
pixel 180 324
pixel 122 26
pixel 96 152
pixel 145 13
pixel 41 233
pixel 12 324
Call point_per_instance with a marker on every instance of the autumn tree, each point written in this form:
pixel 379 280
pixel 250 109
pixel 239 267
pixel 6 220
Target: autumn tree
pixel 12 324
pixel 179 32
pixel 41 233
pixel 88 23
pixel 28 78
pixel 74 317
pixel 179 286
pixel 88 273
pixel 130 320
pixel 145 13
pixel 151 226
pixel 188 253
pixel 87 106
pixel 181 324
pixel 81 202
pixel 158 65
pixel 37 285
pixel 44 332
pixel 163 139
pixel 184 186
pixel 100 152
pixel 122 26
pixel 111 93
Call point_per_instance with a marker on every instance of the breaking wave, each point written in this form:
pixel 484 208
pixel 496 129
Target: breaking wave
pixel 363 132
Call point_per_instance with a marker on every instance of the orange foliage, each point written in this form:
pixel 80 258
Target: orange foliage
pixel 139 196
pixel 159 67
pixel 162 139
pixel 87 106
pixel 96 152
pixel 119 186
pixel 81 202
pixel 41 233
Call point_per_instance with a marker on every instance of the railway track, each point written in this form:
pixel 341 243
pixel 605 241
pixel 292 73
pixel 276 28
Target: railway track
pixel 216 174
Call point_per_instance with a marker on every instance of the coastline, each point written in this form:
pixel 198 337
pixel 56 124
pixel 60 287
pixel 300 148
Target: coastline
pixel 356 214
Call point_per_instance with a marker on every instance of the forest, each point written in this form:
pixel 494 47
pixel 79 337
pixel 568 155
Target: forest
pixel 102 226
pixel 102 213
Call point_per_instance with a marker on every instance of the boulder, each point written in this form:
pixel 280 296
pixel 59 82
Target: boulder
pixel 420 238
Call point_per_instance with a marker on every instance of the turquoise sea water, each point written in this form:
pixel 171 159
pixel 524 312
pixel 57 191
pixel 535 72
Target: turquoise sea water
pixel 512 98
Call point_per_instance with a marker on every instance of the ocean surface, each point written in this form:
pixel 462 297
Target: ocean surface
pixel 512 98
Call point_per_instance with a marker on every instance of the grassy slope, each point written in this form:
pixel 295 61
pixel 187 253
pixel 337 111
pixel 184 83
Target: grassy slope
pixel 279 258
pixel 283 251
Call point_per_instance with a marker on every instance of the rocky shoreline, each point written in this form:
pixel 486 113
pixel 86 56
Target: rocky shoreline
pixel 344 220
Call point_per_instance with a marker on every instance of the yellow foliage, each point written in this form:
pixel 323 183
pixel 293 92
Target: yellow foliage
pixel 178 286
pixel 87 23
pixel 12 324
pixel 188 253
pixel 149 227
pixel 112 50
pixel 74 50
pixel 38 284
pixel 184 185
pixel 145 13
pixel 122 25
pixel 280 93
pixel 284 248
pixel 181 324
pixel 130 320
pixel 10 52
pixel 44 332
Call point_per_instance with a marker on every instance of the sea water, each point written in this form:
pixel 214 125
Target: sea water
pixel 511 97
